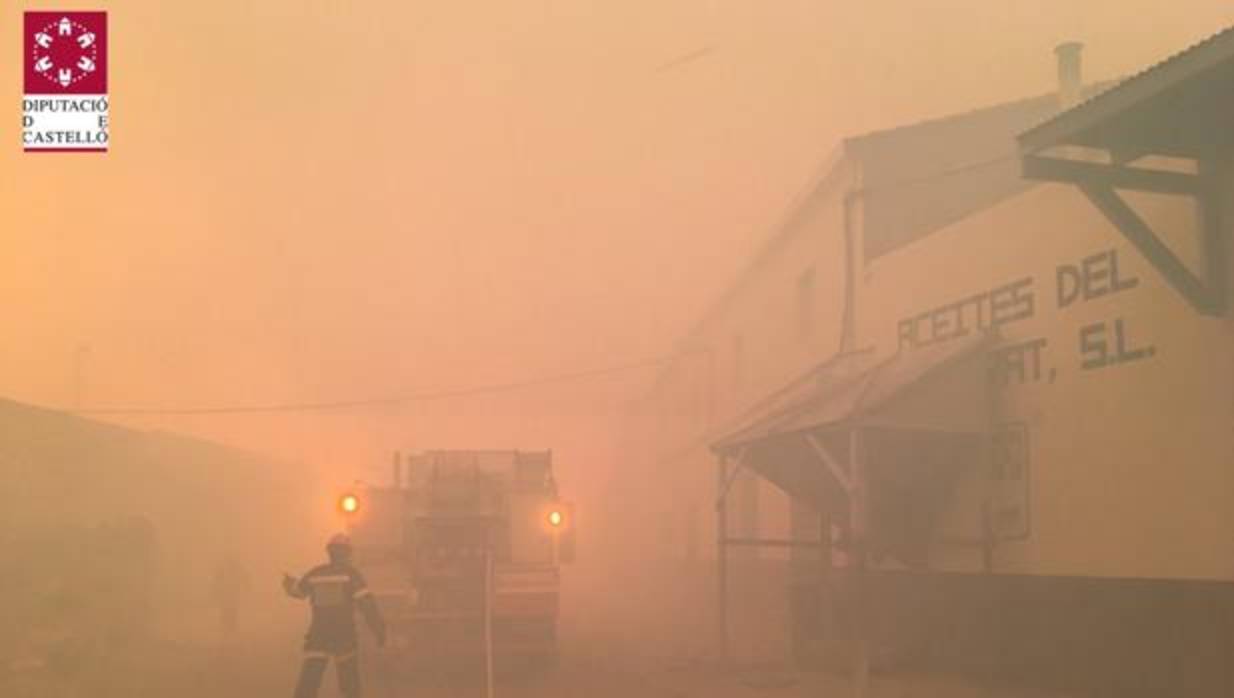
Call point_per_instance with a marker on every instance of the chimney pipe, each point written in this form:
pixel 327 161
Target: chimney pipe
pixel 1070 77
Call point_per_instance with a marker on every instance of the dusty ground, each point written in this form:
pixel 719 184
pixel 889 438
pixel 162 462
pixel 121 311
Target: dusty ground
pixel 580 678
pixel 258 671
pixel 609 656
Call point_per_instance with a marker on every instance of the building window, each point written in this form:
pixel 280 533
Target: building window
pixel 805 304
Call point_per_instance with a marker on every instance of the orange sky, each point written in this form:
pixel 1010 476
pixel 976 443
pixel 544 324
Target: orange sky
pixel 309 201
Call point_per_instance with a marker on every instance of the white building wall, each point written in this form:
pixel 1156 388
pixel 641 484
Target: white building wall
pixel 1125 395
pixel 785 317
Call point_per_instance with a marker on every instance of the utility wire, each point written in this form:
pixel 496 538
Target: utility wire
pixel 502 387
pixel 387 400
pixel 941 174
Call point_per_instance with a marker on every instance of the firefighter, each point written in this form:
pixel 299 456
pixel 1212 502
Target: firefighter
pixel 334 591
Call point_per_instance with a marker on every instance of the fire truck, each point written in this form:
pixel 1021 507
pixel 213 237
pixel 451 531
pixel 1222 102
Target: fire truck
pixel 463 551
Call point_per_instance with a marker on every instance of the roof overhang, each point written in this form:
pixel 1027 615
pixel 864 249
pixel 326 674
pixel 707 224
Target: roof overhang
pixel 1180 109
pixel 922 418
pixel 941 387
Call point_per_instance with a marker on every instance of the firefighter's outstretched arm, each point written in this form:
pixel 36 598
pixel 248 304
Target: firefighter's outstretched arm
pixel 372 615
pixel 295 588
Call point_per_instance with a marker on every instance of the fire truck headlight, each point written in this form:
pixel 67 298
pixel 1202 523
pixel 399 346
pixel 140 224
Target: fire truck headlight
pixel 556 518
pixel 349 504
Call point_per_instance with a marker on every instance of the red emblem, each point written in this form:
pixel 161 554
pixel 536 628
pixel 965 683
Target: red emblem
pixel 66 53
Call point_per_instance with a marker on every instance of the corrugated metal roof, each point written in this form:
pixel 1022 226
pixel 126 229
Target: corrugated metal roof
pixel 838 399
pixel 1149 81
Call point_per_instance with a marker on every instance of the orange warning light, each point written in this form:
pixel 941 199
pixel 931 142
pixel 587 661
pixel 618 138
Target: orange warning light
pixel 349 504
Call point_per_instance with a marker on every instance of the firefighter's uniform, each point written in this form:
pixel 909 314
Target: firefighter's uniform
pixel 335 591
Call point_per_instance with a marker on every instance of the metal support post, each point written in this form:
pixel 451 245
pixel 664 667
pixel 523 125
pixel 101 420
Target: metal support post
pixel 488 621
pixel 824 574
pixel 857 513
pixel 722 562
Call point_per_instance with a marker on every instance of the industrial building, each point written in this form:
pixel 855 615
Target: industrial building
pixel 983 373
pixel 69 479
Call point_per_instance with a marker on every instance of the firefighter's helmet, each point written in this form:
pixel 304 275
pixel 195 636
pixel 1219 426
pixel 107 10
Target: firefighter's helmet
pixel 339 544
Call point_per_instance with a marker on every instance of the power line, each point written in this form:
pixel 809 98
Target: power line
pixel 386 400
